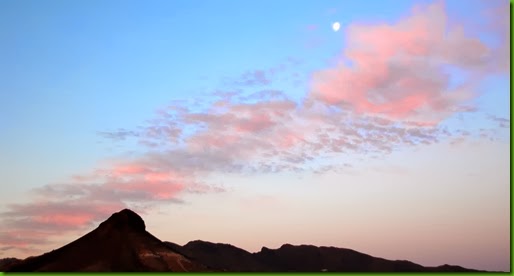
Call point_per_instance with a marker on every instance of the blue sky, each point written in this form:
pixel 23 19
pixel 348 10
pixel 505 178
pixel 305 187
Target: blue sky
pixel 76 73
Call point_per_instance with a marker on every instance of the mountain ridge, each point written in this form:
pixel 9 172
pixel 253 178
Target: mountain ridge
pixel 270 260
pixel 122 244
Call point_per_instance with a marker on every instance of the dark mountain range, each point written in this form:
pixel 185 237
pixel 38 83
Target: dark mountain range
pixel 301 258
pixel 121 243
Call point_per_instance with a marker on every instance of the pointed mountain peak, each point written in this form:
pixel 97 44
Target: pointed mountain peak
pixel 125 219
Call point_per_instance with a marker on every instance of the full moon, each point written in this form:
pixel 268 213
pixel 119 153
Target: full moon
pixel 336 26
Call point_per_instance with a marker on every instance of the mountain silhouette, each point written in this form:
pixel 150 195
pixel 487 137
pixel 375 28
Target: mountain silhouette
pixel 122 244
pixel 300 258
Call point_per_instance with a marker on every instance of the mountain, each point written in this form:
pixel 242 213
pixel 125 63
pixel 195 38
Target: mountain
pixel 122 244
pixel 222 257
pixel 301 258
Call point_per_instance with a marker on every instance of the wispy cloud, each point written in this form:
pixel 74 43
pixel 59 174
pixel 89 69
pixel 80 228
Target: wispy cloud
pixel 502 122
pixel 118 135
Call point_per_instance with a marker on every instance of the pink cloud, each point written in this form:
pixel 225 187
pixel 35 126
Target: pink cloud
pixel 398 72
pixel 158 190
pixel 27 227
pixel 130 169
pixel 144 182
pixel 63 208
pixel 58 215
pixel 76 220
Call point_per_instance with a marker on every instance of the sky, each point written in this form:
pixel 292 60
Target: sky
pixel 255 123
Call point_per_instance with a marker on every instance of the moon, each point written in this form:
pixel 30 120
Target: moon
pixel 336 26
